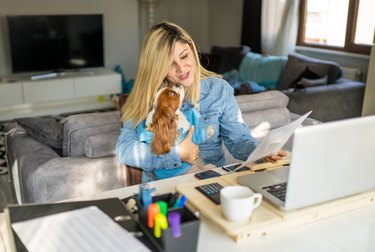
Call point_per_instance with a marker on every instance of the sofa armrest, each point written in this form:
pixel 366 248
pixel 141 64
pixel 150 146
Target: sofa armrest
pixel 24 155
pixel 328 102
pixel 71 177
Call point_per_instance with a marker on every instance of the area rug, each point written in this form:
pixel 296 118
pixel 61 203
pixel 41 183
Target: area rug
pixel 3 163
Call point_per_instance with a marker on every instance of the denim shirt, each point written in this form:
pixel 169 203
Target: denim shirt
pixel 219 109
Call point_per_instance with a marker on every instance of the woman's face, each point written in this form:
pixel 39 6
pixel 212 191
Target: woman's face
pixel 183 66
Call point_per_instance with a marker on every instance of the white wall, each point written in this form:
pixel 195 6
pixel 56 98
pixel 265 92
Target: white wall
pixel 121 26
pixel 225 22
pixel 191 15
pixel 209 22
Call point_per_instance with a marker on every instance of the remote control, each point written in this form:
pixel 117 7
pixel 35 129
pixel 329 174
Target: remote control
pixel 211 191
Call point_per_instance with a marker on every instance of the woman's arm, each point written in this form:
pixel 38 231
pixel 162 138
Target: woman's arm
pixel 234 131
pixel 135 153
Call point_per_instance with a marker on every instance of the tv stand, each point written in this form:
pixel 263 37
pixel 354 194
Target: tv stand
pixel 67 92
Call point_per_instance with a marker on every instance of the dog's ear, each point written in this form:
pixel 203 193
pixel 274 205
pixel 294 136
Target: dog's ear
pixel 165 130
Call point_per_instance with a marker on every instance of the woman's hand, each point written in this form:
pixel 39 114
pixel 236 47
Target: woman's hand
pixel 189 152
pixel 273 159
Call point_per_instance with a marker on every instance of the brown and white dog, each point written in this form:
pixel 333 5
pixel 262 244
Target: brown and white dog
pixel 165 119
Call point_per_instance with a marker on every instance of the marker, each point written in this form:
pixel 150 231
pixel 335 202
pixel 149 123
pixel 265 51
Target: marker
pixel 146 197
pixel 152 211
pixel 182 202
pixel 163 206
pixel 160 223
pixel 173 199
pixel 177 202
pixel 174 220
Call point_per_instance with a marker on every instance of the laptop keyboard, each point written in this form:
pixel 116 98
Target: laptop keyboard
pixel 277 190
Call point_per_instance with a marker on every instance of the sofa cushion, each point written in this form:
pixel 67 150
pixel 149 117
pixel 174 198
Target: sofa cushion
pixel 305 82
pixel 261 101
pixel 264 70
pixel 101 145
pixel 44 130
pixel 297 64
pixel 270 118
pixel 266 107
pixel 78 128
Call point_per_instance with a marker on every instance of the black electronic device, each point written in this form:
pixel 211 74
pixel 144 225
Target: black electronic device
pixel 207 174
pixel 211 191
pixel 55 42
pixel 233 167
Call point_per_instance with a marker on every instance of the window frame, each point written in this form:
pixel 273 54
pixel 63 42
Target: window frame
pixel 349 46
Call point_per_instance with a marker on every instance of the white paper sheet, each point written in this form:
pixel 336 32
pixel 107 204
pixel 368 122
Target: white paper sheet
pixel 86 229
pixel 272 143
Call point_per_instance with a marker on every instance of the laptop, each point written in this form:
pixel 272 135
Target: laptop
pixel 329 161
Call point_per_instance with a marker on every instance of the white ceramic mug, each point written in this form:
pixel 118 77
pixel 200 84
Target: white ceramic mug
pixel 238 202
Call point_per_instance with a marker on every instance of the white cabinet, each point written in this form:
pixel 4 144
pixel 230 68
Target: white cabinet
pixel 88 86
pixel 20 89
pixel 10 94
pixel 73 91
pixel 48 90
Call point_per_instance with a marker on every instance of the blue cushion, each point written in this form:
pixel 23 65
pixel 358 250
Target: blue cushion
pixel 263 70
pixel 242 86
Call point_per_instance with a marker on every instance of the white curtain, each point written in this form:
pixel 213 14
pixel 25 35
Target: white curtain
pixel 279 26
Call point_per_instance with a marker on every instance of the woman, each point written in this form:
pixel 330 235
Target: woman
pixel 168 55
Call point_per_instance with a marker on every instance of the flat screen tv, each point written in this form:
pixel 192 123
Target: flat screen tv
pixel 55 42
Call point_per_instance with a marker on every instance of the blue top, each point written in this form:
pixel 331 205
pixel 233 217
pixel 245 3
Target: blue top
pixel 218 108
pixel 200 135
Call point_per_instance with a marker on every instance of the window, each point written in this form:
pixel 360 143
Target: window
pixel 345 25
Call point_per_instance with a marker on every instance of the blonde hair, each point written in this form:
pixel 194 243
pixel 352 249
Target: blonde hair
pixel 154 63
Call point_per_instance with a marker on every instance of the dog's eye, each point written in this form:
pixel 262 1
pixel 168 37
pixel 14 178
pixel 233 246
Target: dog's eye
pixel 172 93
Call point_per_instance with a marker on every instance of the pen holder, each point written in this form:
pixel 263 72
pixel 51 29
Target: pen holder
pixel 167 242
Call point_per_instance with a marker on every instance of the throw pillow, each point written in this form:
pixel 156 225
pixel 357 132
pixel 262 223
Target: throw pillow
pixel 297 63
pixel 44 130
pixel 306 74
pixel 264 70
pixel 223 59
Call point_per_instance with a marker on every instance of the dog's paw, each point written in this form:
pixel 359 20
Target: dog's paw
pixel 210 131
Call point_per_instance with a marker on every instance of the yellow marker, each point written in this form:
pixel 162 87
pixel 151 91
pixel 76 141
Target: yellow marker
pixel 160 223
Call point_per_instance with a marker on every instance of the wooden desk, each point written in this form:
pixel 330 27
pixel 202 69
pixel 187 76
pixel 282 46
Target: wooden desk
pixel 351 231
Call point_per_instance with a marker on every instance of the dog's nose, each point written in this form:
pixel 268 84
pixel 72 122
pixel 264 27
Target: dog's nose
pixel 178 85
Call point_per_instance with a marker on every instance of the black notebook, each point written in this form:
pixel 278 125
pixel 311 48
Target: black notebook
pixel 113 207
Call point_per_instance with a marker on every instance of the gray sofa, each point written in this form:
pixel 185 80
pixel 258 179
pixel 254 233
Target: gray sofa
pixel 87 163
pixel 322 90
